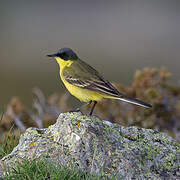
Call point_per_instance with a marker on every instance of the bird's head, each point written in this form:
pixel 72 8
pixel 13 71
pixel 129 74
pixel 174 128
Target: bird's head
pixel 64 54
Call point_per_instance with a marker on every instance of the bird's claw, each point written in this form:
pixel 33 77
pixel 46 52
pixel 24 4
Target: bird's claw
pixel 76 110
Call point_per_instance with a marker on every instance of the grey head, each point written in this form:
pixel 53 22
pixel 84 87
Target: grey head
pixel 65 54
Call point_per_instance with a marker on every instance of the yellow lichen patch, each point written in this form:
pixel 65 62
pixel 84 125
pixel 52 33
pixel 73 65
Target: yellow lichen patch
pixel 31 143
pixel 78 125
pixel 52 138
pixel 129 136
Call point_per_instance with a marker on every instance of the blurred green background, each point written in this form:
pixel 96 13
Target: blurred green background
pixel 116 37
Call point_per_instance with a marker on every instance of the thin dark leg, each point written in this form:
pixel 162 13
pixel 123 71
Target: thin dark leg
pixel 79 109
pixel 92 109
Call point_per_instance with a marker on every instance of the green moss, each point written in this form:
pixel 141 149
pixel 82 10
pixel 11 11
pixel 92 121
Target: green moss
pixel 169 161
pixel 31 131
pixel 149 156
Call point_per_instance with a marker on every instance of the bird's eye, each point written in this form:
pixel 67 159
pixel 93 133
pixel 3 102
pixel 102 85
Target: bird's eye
pixel 63 54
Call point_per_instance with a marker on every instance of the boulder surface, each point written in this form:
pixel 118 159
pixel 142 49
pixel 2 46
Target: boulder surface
pixel 101 148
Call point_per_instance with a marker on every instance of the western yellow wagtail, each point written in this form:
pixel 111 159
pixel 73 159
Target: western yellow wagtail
pixel 85 83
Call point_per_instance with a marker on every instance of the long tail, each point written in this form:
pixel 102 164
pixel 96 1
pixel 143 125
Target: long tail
pixel 134 101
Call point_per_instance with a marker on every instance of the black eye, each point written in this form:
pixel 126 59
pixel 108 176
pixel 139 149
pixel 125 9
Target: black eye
pixel 63 54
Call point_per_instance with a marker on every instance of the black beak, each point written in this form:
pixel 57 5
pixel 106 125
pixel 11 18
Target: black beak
pixel 52 55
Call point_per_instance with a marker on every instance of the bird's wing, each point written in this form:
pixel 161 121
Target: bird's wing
pixel 84 76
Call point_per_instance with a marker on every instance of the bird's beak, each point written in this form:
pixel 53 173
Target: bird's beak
pixel 52 55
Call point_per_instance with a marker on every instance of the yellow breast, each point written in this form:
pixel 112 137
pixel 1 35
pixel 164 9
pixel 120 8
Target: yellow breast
pixel 80 93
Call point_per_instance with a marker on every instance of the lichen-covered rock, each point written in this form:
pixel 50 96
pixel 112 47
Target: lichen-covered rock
pixel 101 148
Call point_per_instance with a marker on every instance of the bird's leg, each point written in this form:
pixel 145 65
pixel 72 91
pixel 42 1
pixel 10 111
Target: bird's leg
pixel 79 109
pixel 92 109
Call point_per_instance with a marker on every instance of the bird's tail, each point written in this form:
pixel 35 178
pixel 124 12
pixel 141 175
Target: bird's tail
pixel 134 101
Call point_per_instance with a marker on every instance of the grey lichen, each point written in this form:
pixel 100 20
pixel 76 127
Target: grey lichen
pixel 101 148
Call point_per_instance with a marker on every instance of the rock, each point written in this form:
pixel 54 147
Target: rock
pixel 101 148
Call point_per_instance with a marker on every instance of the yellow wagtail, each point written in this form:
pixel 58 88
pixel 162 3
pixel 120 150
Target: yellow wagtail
pixel 85 83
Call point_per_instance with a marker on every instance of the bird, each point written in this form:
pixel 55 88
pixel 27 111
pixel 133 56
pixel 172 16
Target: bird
pixel 86 83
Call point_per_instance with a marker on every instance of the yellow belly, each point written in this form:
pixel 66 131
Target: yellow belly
pixel 82 94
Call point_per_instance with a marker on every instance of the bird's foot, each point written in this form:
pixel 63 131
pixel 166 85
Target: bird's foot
pixel 76 110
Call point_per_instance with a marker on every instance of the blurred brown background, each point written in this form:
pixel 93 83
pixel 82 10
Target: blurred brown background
pixel 116 37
